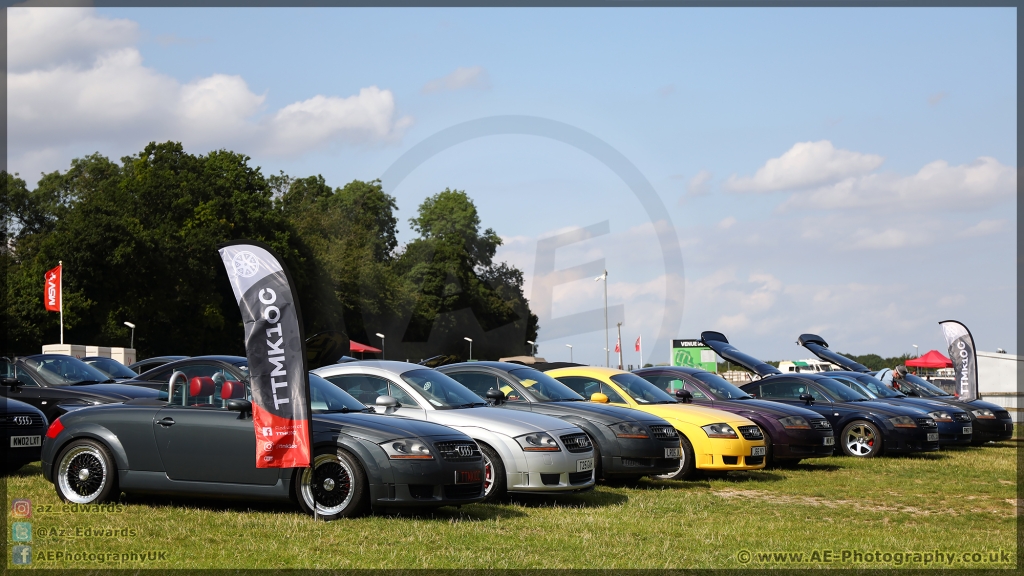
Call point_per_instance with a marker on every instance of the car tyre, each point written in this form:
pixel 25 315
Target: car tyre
pixel 687 466
pixel 85 473
pixel 495 482
pixel 337 482
pixel 861 439
pixel 598 469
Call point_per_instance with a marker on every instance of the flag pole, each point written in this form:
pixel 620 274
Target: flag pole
pixel 60 290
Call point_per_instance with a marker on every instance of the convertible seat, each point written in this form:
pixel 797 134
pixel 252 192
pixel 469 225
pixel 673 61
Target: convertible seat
pixel 198 387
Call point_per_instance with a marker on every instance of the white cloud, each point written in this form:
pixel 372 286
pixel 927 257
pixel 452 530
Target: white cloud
pixel 983 228
pixel 804 165
pixel 107 96
pixel 461 78
pixel 698 185
pixel 727 223
pixel 936 186
pixel 866 238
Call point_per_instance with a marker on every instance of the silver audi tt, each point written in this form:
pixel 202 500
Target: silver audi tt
pixel 523 452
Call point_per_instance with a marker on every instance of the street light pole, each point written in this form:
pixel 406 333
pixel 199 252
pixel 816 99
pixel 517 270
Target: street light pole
pixel 382 355
pixel 570 352
pixel 916 353
pixel 533 347
pixel 470 340
pixel 132 326
pixel 607 359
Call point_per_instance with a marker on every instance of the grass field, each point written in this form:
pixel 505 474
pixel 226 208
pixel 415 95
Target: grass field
pixel 958 500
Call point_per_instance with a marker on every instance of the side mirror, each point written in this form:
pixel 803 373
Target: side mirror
pixel 238 405
pixel 684 396
pixel 495 397
pixel 386 404
pixel 10 382
pixel 807 398
pixel 598 397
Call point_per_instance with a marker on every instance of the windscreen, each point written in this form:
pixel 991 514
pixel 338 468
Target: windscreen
pixel 878 388
pixel 59 370
pixel 441 391
pixel 326 397
pixel 111 367
pixel 854 385
pixel 929 388
pixel 641 390
pixel 840 392
pixel 543 387
pixel 720 387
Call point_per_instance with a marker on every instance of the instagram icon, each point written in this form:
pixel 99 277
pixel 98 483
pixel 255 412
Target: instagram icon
pixel 21 508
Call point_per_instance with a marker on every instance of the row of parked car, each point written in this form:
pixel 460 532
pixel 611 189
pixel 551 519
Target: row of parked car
pixel 395 434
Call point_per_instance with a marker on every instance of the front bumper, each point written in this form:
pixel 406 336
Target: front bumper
pixel 552 472
pixel 428 483
pixel 639 457
pixel 905 440
pixel 797 444
pixel 728 454
pixel 992 430
pixel 952 433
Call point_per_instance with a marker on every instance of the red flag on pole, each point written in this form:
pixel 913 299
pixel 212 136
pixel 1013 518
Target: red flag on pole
pixel 638 343
pixel 618 347
pixel 51 290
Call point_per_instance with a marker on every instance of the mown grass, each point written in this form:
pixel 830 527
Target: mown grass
pixel 955 500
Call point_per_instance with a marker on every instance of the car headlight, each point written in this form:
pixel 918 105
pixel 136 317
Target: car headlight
pixel 941 416
pixel 627 430
pixel 984 413
pixel 538 442
pixel 407 449
pixel 795 423
pixel 719 431
pixel 903 422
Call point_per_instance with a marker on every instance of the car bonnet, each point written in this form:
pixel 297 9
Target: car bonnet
pixel 380 428
pixel 508 422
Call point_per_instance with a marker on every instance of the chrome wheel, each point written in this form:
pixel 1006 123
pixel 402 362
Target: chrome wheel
pixel 675 473
pixel 860 439
pixel 82 474
pixel 330 481
pixel 488 475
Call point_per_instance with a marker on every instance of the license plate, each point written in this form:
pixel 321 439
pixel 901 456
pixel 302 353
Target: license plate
pixel 968 430
pixel 467 476
pixel 830 441
pixel 757 451
pixel 933 436
pixel 585 465
pixel 671 452
pixel 26 441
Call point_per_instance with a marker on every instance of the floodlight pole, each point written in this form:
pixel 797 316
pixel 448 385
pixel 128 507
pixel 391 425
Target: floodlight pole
pixel 570 352
pixel 607 358
pixel 381 336
pixel 470 340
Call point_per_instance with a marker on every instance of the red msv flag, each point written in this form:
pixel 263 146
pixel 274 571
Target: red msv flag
pixel 51 290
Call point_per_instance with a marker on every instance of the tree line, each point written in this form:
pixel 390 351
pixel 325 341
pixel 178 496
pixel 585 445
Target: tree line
pixel 139 239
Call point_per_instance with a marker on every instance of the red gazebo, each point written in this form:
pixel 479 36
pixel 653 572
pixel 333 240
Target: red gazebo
pixel 362 348
pixel 933 359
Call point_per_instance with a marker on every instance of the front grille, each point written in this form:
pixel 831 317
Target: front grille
pixel 458 451
pixel 821 424
pixel 753 460
pixel 580 477
pixel 751 432
pixel 550 479
pixel 637 463
pixel 577 442
pixel 664 432
pixel 730 460
pixel 421 491
pixel 1002 415
pixel 961 417
pixel 456 491
pixel 926 423
pixel 22 420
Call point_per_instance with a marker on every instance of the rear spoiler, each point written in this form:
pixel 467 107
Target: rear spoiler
pixel 819 347
pixel 720 344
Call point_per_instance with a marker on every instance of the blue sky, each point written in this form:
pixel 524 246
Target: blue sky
pixel 846 171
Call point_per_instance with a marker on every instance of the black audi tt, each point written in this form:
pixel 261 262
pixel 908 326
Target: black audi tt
pixel 867 428
pixel 24 427
pixel 627 443
pixel 56 383
pixel 988 421
pixel 205 445
pixel 791 433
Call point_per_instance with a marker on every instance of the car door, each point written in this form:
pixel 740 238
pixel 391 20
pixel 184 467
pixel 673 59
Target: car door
pixel 366 388
pixel 200 440
pixel 788 390
pixel 481 382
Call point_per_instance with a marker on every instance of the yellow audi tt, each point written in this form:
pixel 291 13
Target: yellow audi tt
pixel 710 439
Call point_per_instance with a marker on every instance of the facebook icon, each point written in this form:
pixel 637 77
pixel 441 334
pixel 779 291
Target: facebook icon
pixel 21 555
